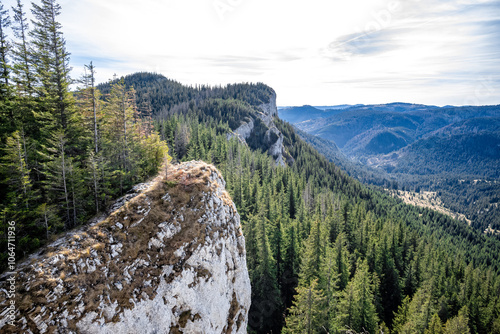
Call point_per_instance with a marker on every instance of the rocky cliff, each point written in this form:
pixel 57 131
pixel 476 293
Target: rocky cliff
pixel 170 259
pixel 273 137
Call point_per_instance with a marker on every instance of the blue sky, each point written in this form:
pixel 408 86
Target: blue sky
pixel 319 52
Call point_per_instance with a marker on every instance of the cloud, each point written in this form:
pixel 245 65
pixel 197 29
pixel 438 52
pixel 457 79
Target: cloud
pixel 317 52
pixel 363 43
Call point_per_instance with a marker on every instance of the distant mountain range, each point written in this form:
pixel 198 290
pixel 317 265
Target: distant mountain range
pixel 409 138
pixel 453 151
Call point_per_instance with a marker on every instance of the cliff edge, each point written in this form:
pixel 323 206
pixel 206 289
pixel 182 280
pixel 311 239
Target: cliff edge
pixel 272 137
pixel 171 259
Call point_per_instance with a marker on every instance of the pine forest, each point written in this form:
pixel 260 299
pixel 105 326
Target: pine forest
pixel 325 253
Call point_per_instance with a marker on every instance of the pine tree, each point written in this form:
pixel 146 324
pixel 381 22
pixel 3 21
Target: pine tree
pixel 118 136
pixel 49 218
pixel 435 326
pixel 389 288
pixel 7 122
pixel 421 307
pixel 266 294
pixel 291 263
pixel 341 260
pixel 458 324
pixel 94 102
pixel 51 65
pixel 21 54
pixel 57 173
pixel 356 309
pixel 310 261
pixel 4 53
pixel 329 281
pixel 21 192
pixel 307 315
pixel 402 315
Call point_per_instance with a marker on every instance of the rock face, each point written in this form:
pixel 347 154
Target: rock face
pixel 243 131
pixel 170 260
pixel 270 107
pixel 267 113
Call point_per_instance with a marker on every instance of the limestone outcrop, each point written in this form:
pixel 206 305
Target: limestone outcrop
pixel 273 137
pixel 170 259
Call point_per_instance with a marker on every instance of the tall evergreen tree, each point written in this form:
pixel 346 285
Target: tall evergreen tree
pixel 52 60
pixel 435 326
pixel 310 261
pixel 7 123
pixel 4 52
pixel 57 173
pixel 458 324
pixel 266 295
pixel 21 53
pixel 118 135
pixel 307 315
pixel 356 310
pixel 20 186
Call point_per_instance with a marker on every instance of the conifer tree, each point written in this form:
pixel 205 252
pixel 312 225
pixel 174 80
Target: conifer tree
pixel 356 308
pixel 21 54
pixel 402 315
pixel 4 53
pixel 310 263
pixel 51 65
pixel 49 218
pixel 389 289
pixel 118 135
pixel 421 308
pixel 21 192
pixel 266 294
pixel 57 173
pixel 94 102
pixel 341 260
pixel 458 324
pixel 435 326
pixel 329 281
pixel 7 122
pixel 307 315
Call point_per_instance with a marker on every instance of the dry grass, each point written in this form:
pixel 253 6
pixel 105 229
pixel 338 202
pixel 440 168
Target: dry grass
pixel 186 189
pixel 427 199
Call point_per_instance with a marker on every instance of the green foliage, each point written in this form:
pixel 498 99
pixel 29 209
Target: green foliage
pixel 65 155
pixel 307 314
pixel 324 252
pixel 337 230
pixel 356 309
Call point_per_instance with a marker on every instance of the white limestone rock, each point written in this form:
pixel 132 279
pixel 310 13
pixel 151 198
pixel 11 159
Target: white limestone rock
pixel 181 269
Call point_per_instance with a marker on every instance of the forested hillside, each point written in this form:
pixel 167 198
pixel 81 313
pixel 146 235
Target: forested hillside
pixel 450 150
pixel 355 257
pixel 65 154
pixel 325 253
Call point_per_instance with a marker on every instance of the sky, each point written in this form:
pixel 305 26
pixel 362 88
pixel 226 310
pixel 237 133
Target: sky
pixel 316 52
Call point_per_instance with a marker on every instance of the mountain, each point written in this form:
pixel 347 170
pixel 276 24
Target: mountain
pixel 324 252
pixel 362 131
pixel 318 243
pixel 247 109
pixel 461 154
pixel 169 259
pixel 418 146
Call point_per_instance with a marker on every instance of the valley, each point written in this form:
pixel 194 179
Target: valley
pixel 143 204
pixel 412 146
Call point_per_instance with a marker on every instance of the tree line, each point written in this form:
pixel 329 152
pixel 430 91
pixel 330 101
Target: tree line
pixel 327 255
pixel 65 153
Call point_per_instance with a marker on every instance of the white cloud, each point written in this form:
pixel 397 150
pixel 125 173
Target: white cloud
pixel 315 52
